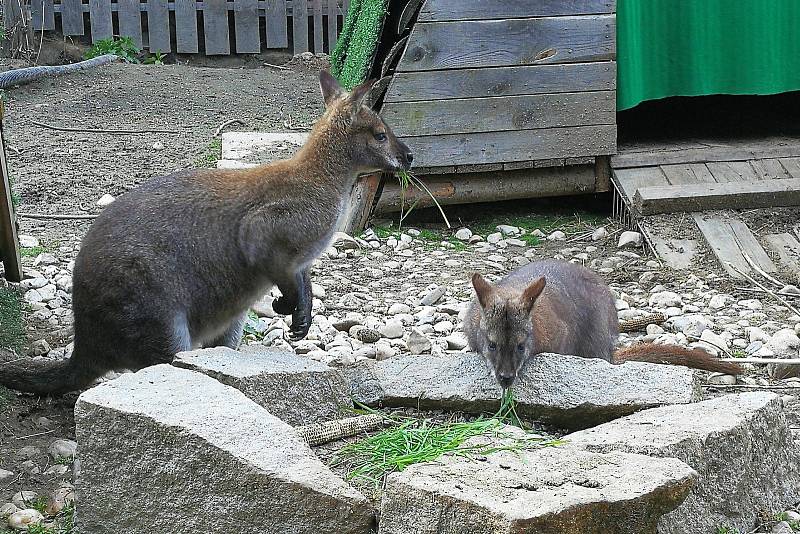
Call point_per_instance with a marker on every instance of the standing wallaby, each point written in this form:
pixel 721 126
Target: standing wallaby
pixel 176 263
pixel 563 308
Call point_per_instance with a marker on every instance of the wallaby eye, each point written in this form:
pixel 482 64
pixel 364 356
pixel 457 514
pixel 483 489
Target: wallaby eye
pixel 380 137
pixel 521 347
pixel 492 345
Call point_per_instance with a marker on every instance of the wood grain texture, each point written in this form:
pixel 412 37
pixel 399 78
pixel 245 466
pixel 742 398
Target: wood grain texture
pixel 787 248
pixel 720 237
pixel 215 27
pixel 300 26
pixel 277 27
pixel 769 169
pixel 100 19
pixel 43 15
pixel 628 181
pixel 333 29
pixel 129 15
pixel 503 81
pixel 186 38
pixel 158 26
pixel 497 43
pixel 750 246
pixel 520 145
pixel 651 200
pixel 692 173
pixel 792 166
pixel 319 39
pixel 448 10
pixel 71 17
pixel 9 244
pixel 246 24
pixel 500 113
pixel 741 153
pixel 491 186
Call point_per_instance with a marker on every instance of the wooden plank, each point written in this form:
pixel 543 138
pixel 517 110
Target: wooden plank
pixel 629 181
pixel 71 17
pixel 158 26
pixel 769 169
pixel 602 172
pixel 519 145
pixel 498 43
pixel 245 20
pixel 300 26
pixel 500 113
pixel 277 30
pixel 787 248
pixel 750 246
pixel 43 15
pixel 129 15
pixel 448 10
pixel 503 81
pixel 731 195
pixel 792 166
pixel 744 152
pixel 490 186
pixel 186 38
pixel 333 28
pixel 9 244
pixel 215 26
pixel 722 240
pixel 692 173
pixel 316 7
pixel 100 19
pixel 406 15
pixel 726 171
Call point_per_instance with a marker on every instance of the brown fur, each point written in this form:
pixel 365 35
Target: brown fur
pixel 176 263
pixel 559 307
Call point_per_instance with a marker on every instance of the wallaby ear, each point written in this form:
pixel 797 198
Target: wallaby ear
pixel 360 93
pixel 330 88
pixel 483 288
pixel 532 292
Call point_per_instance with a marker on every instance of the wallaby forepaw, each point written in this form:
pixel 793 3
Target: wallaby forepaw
pixel 282 306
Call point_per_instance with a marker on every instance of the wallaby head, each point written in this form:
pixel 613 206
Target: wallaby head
pixel 506 335
pixel 369 142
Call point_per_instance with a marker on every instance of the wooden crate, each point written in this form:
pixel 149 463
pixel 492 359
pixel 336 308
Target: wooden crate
pixel 506 84
pixel 314 23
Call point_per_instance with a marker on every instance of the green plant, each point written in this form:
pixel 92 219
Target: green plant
pixel 122 47
pixel 727 530
pixel 155 59
pixel 211 154
pixel 39 504
pixel 31 252
pixel 248 326
pixel 12 332
pixel 412 441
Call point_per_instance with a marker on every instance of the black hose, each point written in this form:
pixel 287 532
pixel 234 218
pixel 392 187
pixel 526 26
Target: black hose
pixel 26 75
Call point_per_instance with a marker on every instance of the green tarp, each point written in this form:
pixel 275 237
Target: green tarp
pixel 705 47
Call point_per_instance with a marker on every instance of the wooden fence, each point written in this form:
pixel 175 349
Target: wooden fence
pixel 212 27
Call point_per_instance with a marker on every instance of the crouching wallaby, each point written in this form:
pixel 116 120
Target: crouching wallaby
pixel 176 263
pixel 563 308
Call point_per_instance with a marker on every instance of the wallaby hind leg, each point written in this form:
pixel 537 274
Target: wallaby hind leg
pixel 296 299
pixel 232 336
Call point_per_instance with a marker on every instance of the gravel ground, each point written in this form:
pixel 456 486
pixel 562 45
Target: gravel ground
pixel 407 289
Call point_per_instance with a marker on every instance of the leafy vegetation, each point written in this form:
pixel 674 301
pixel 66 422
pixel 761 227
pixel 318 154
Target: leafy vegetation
pixel 31 252
pixel 125 49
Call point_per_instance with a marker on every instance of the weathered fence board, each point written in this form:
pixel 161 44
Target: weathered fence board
pixel 129 15
pixel 333 17
pixel 300 27
pixel 215 26
pixel 448 10
pixel 497 43
pixel 9 245
pixel 245 19
pixel 158 26
pixel 43 15
pixel 100 19
pixel 319 38
pixel 500 113
pixel 277 29
pixel 72 17
pixel 519 145
pixel 503 81
pixel 186 38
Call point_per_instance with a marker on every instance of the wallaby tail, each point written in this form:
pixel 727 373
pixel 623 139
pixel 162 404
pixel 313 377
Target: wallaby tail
pixel 675 355
pixel 44 377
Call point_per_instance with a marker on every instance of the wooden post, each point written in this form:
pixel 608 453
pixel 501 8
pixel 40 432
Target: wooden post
pixel 17 25
pixel 602 173
pixel 362 200
pixel 9 245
